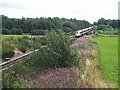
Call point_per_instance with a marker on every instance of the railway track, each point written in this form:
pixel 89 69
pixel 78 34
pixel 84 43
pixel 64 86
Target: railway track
pixel 9 63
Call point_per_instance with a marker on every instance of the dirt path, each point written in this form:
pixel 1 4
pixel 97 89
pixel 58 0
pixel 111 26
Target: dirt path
pixel 92 74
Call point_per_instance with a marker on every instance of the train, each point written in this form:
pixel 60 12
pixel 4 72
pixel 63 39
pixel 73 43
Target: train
pixel 83 31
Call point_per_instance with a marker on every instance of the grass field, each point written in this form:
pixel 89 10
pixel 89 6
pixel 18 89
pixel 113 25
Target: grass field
pixel 109 58
pixel 14 36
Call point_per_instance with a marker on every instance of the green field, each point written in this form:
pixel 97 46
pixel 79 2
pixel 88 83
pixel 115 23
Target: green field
pixel 109 58
pixel 14 36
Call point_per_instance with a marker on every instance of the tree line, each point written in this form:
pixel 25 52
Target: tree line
pixel 107 23
pixel 42 25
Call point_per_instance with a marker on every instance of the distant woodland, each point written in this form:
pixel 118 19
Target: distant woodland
pixel 42 25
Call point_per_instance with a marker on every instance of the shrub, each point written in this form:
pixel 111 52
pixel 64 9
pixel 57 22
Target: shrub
pixel 38 32
pixel 7 50
pixel 72 40
pixel 24 41
pixel 58 52
pixel 101 27
pixel 67 29
pixel 12 80
pixel 43 41
pixel 22 48
pixel 23 44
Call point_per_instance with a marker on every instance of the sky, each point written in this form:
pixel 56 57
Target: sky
pixel 89 10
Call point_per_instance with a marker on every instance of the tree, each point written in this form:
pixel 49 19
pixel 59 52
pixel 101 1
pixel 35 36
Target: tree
pixel 102 21
pixel 67 29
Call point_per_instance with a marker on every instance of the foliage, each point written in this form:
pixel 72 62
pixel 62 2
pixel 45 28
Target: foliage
pixel 102 21
pixel 22 44
pixel 41 40
pixel 71 40
pixel 109 58
pixel 40 25
pixel 19 77
pixel 113 23
pixel 22 48
pixel 108 31
pixel 11 79
pixel 6 37
pixel 58 53
pixel 67 29
pixel 38 32
pixel 7 50
pixel 101 27
pixel 61 78
pixel 11 42
pixel 12 31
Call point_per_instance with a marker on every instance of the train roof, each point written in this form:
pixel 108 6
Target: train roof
pixel 87 28
pixel 81 30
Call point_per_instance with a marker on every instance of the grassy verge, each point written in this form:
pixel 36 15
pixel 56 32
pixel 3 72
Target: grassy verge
pixel 109 58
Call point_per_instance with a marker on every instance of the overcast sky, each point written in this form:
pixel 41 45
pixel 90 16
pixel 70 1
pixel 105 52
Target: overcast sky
pixel 90 10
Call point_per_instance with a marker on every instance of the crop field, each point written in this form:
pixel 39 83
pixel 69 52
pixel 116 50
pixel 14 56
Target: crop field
pixel 108 47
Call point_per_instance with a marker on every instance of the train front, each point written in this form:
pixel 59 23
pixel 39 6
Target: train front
pixel 77 34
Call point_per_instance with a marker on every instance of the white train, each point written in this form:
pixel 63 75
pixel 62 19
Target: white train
pixel 83 31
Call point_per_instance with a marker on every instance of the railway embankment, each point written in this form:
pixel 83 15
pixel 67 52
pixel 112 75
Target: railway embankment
pixel 89 53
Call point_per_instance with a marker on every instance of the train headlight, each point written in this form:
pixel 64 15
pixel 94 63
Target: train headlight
pixel 77 34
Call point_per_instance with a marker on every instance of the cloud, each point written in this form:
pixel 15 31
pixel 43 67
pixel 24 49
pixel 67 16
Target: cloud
pixel 90 10
pixel 8 4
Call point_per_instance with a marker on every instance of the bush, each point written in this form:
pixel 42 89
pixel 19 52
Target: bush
pixel 67 29
pixel 58 53
pixel 38 32
pixel 7 50
pixel 12 80
pixel 43 41
pixel 15 31
pixel 108 31
pixel 72 40
pixel 101 26
pixel 23 44
pixel 22 48
pixel 24 41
